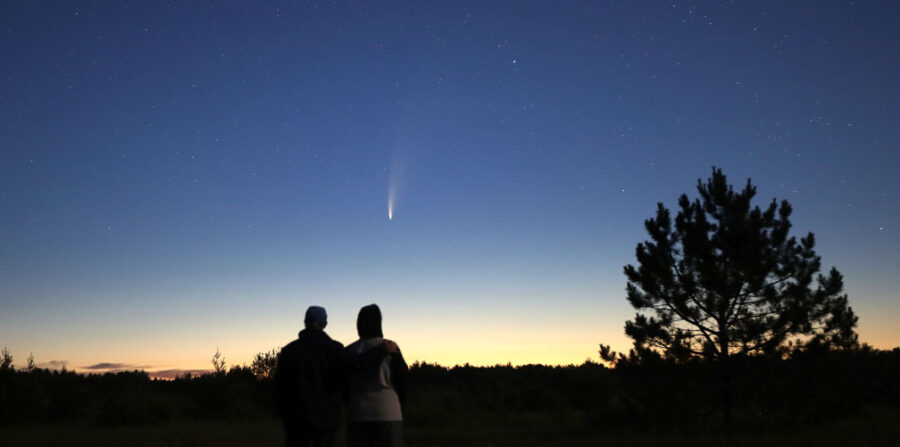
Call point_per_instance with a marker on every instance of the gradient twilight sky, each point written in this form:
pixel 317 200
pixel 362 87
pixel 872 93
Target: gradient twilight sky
pixel 176 178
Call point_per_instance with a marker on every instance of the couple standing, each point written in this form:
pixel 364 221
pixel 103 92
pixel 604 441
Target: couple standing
pixel 315 373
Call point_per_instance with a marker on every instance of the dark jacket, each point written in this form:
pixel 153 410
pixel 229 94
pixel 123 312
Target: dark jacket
pixel 308 382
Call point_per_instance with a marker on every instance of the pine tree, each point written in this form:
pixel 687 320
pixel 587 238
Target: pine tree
pixel 728 280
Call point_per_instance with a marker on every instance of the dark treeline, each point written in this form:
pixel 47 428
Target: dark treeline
pixel 647 396
pixel 130 397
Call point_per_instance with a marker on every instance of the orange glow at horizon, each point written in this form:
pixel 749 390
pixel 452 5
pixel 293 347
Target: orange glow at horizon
pixel 447 337
pixel 551 351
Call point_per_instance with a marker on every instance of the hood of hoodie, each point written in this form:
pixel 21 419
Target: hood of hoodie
pixel 368 323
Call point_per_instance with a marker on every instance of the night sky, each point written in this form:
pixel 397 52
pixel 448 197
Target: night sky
pixel 180 178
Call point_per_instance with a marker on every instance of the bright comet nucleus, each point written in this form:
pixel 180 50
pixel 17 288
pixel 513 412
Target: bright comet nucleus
pixel 393 186
pixel 390 205
pixel 392 192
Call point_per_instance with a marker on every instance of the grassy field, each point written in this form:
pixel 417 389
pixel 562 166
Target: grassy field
pixel 876 427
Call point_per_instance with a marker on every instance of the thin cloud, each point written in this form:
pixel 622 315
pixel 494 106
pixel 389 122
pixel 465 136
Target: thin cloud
pixel 106 365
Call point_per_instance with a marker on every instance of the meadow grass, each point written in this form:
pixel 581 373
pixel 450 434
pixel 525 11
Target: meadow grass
pixel 181 434
pixel 876 427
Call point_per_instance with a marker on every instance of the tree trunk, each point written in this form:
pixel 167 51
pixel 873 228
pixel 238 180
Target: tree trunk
pixel 727 401
pixel 725 383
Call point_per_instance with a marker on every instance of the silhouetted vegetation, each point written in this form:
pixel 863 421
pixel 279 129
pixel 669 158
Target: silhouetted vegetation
pixel 41 396
pixel 6 359
pixel 218 362
pixel 263 365
pixel 727 282
pixel 659 395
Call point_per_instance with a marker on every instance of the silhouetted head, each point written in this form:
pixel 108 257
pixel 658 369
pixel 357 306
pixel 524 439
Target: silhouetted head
pixel 316 318
pixel 368 323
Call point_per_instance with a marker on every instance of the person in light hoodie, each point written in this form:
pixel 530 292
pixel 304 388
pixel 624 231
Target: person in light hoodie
pixel 375 395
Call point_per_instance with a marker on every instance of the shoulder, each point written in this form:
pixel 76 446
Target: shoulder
pixel 364 344
pixel 291 347
pixel 355 346
pixel 332 342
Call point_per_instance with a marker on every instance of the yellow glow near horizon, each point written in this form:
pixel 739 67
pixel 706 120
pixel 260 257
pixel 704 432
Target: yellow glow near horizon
pixel 486 349
pixel 451 336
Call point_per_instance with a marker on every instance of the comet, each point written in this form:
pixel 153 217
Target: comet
pixel 393 186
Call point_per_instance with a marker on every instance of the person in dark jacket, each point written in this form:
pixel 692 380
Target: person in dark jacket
pixel 309 378
pixel 375 392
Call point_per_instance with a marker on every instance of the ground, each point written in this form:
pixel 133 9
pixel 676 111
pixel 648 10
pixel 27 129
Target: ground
pixel 878 426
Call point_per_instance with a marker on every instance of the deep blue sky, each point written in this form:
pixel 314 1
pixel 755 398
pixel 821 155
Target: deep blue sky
pixel 176 178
